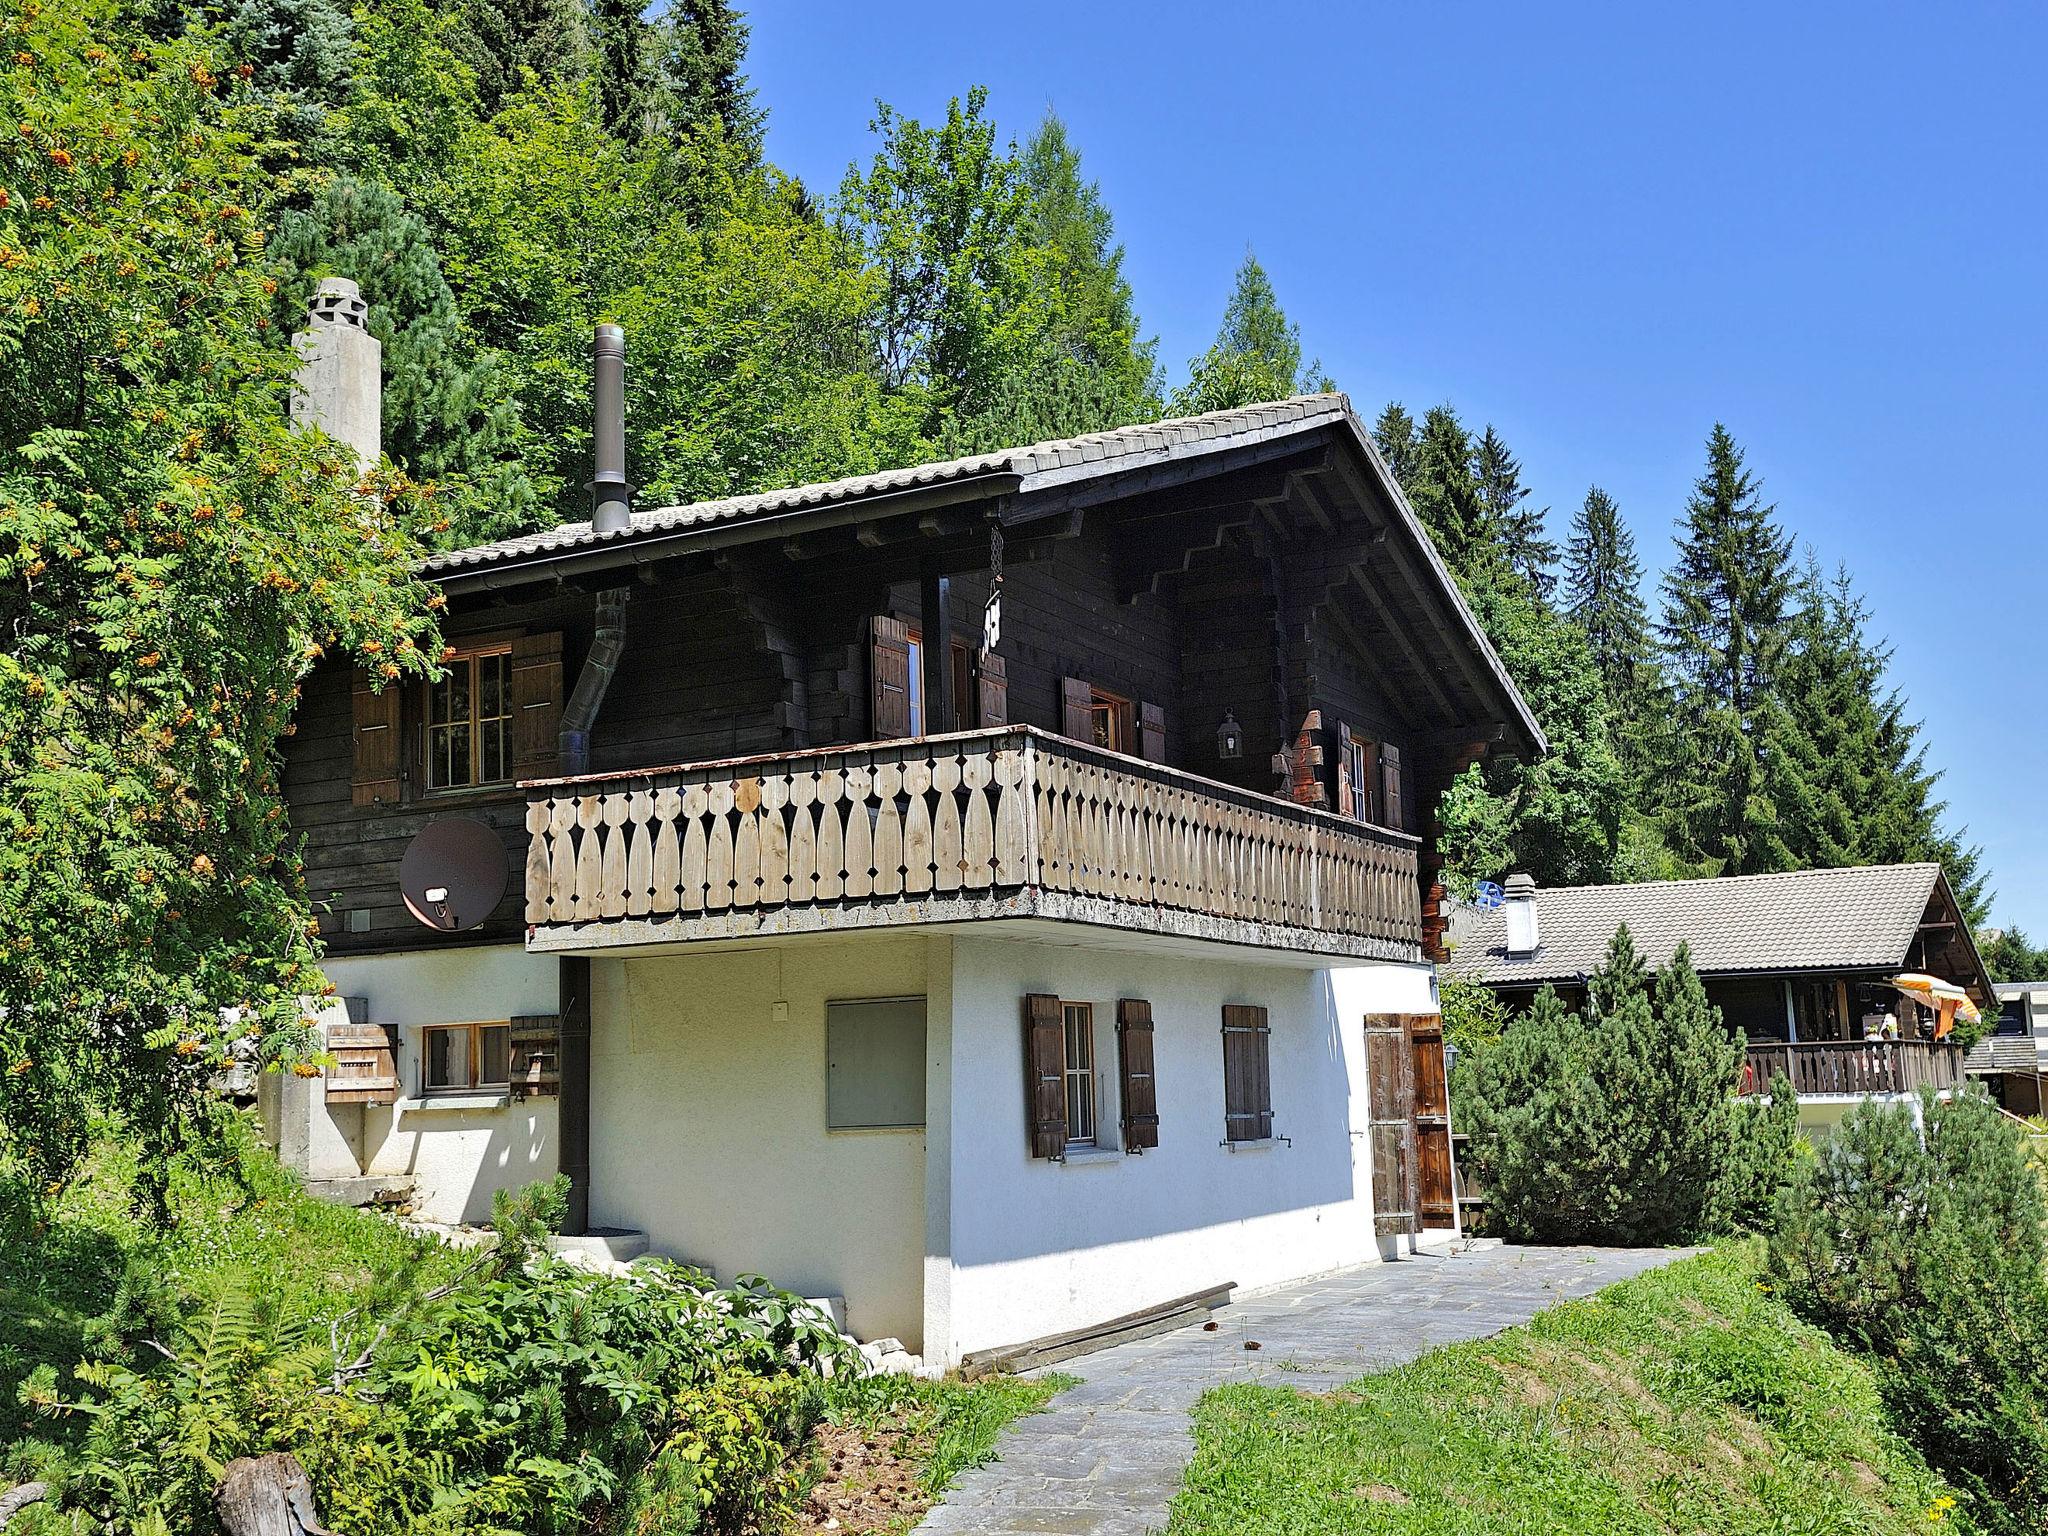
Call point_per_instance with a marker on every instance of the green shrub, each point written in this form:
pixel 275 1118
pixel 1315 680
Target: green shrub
pixel 1924 1250
pixel 1764 1143
pixel 1615 1125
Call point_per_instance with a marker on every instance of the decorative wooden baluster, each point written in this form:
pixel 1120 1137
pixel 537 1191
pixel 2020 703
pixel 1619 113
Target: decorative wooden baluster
pixel 774 841
pixel 668 854
pixel 746 852
pixel 803 836
pixel 537 814
pixel 917 826
pixel 1055 859
pixel 947 873
pixel 639 851
pixel 718 848
pixel 860 834
pixel 588 901
pixel 978 827
pixel 1011 845
pixel 696 845
pixel 561 859
pixel 831 834
pixel 612 895
pixel 888 848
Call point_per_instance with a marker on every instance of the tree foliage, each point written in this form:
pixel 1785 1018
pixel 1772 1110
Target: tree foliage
pixel 1256 355
pixel 1916 1237
pixel 171 558
pixel 1610 1124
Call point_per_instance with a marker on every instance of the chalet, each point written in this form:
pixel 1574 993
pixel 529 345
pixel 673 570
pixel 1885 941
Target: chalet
pixel 998 893
pixel 1804 965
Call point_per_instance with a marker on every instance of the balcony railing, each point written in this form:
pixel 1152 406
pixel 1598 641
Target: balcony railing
pixel 1014 822
pixel 1854 1068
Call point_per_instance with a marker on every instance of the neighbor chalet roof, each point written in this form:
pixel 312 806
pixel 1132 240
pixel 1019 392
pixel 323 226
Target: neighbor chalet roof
pixel 1022 484
pixel 1859 919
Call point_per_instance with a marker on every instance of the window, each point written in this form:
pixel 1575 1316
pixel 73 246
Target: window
pixel 469 720
pixel 1358 777
pixel 1247 1079
pixel 1079 1020
pixel 962 680
pixel 455 1058
pixel 1109 721
pixel 874 1064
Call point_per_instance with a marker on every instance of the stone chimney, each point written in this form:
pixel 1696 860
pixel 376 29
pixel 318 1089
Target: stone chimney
pixel 1524 935
pixel 339 385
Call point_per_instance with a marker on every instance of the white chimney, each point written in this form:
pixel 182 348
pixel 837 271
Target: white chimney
pixel 339 385
pixel 1520 907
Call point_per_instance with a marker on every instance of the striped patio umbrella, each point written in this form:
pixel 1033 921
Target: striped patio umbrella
pixel 1949 1001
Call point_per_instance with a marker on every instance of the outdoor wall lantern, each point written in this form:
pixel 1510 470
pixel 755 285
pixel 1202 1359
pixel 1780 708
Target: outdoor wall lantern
pixel 1229 737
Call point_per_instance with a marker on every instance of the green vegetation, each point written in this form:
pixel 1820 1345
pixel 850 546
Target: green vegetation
pixel 1618 1123
pixel 421 1389
pixel 1687 1399
pixel 1925 1253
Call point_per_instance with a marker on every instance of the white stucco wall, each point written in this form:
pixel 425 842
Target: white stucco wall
pixel 1034 1247
pixel 708 1122
pixel 457 1158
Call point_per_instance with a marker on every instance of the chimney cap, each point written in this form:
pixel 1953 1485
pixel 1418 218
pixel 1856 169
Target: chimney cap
pixel 338 301
pixel 1519 886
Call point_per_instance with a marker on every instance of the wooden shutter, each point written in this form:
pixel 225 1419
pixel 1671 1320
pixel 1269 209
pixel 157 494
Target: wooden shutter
pixel 373 771
pixel 1347 792
pixel 365 1065
pixel 1390 773
pixel 536 1055
pixel 1077 709
pixel 1152 733
pixel 537 705
pixel 993 677
pixel 1134 1058
pixel 1436 1203
pixel 889 675
pixel 1247 1075
pixel 1389 1067
pixel 1045 1075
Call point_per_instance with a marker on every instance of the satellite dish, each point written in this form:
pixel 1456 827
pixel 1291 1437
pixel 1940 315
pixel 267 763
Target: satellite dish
pixel 453 873
pixel 1486 896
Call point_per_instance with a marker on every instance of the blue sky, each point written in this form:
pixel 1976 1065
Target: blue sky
pixel 1601 229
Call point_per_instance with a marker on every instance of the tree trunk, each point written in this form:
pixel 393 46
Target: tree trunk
pixel 267 1496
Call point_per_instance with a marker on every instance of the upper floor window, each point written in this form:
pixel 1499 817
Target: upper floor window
pixel 469 720
pixel 1109 722
pixel 963 686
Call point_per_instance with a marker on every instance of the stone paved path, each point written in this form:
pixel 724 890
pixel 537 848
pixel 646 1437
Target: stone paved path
pixel 1106 1458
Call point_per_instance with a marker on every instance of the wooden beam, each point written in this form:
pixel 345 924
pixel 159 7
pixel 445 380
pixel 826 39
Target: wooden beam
pixel 1368 656
pixel 1397 628
pixel 936 613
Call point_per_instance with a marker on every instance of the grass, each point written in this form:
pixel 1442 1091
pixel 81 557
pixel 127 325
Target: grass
pixel 1687 1399
pixel 891 1444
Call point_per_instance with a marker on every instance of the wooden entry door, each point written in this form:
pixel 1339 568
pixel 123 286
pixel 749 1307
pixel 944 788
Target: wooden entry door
pixel 1412 1182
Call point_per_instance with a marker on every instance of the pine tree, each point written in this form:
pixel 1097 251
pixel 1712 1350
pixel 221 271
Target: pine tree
pixel 1443 487
pixel 1256 355
pixel 506 41
pixel 1394 435
pixel 698 50
pixel 1520 528
pixel 1603 593
pixel 1727 606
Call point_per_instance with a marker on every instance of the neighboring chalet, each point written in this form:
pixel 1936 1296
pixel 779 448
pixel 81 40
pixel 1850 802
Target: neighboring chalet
pixel 1796 963
pixel 2012 1058
pixel 997 892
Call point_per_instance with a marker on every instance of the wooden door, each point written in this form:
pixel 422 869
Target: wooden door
pixel 1389 1073
pixel 1436 1195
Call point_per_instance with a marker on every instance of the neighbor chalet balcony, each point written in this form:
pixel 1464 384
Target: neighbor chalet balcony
pixel 1854 1069
pixel 984 826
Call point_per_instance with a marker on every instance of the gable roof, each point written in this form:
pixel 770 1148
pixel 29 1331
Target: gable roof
pixel 1861 918
pixel 1036 479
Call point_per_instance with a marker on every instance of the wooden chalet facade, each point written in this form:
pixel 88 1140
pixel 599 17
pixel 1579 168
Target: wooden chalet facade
pixel 807 797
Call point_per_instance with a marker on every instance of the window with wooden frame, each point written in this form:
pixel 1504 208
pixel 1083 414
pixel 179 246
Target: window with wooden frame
pixel 1247 1074
pixel 1078 1021
pixel 462 1058
pixel 468 719
pixel 963 685
pixel 1358 776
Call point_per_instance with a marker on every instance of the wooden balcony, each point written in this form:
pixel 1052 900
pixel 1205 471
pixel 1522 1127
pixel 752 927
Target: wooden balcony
pixel 1855 1068
pixel 1013 823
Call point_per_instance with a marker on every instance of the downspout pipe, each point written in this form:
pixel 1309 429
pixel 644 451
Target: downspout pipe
pixel 611 511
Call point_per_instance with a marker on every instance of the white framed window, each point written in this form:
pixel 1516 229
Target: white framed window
pixel 1079 1022
pixel 460 1058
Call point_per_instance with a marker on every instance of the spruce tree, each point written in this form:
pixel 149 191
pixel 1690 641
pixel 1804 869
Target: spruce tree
pixel 1098 320
pixel 1394 435
pixel 1443 488
pixel 1256 355
pixel 1521 528
pixel 1603 597
pixel 1725 630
